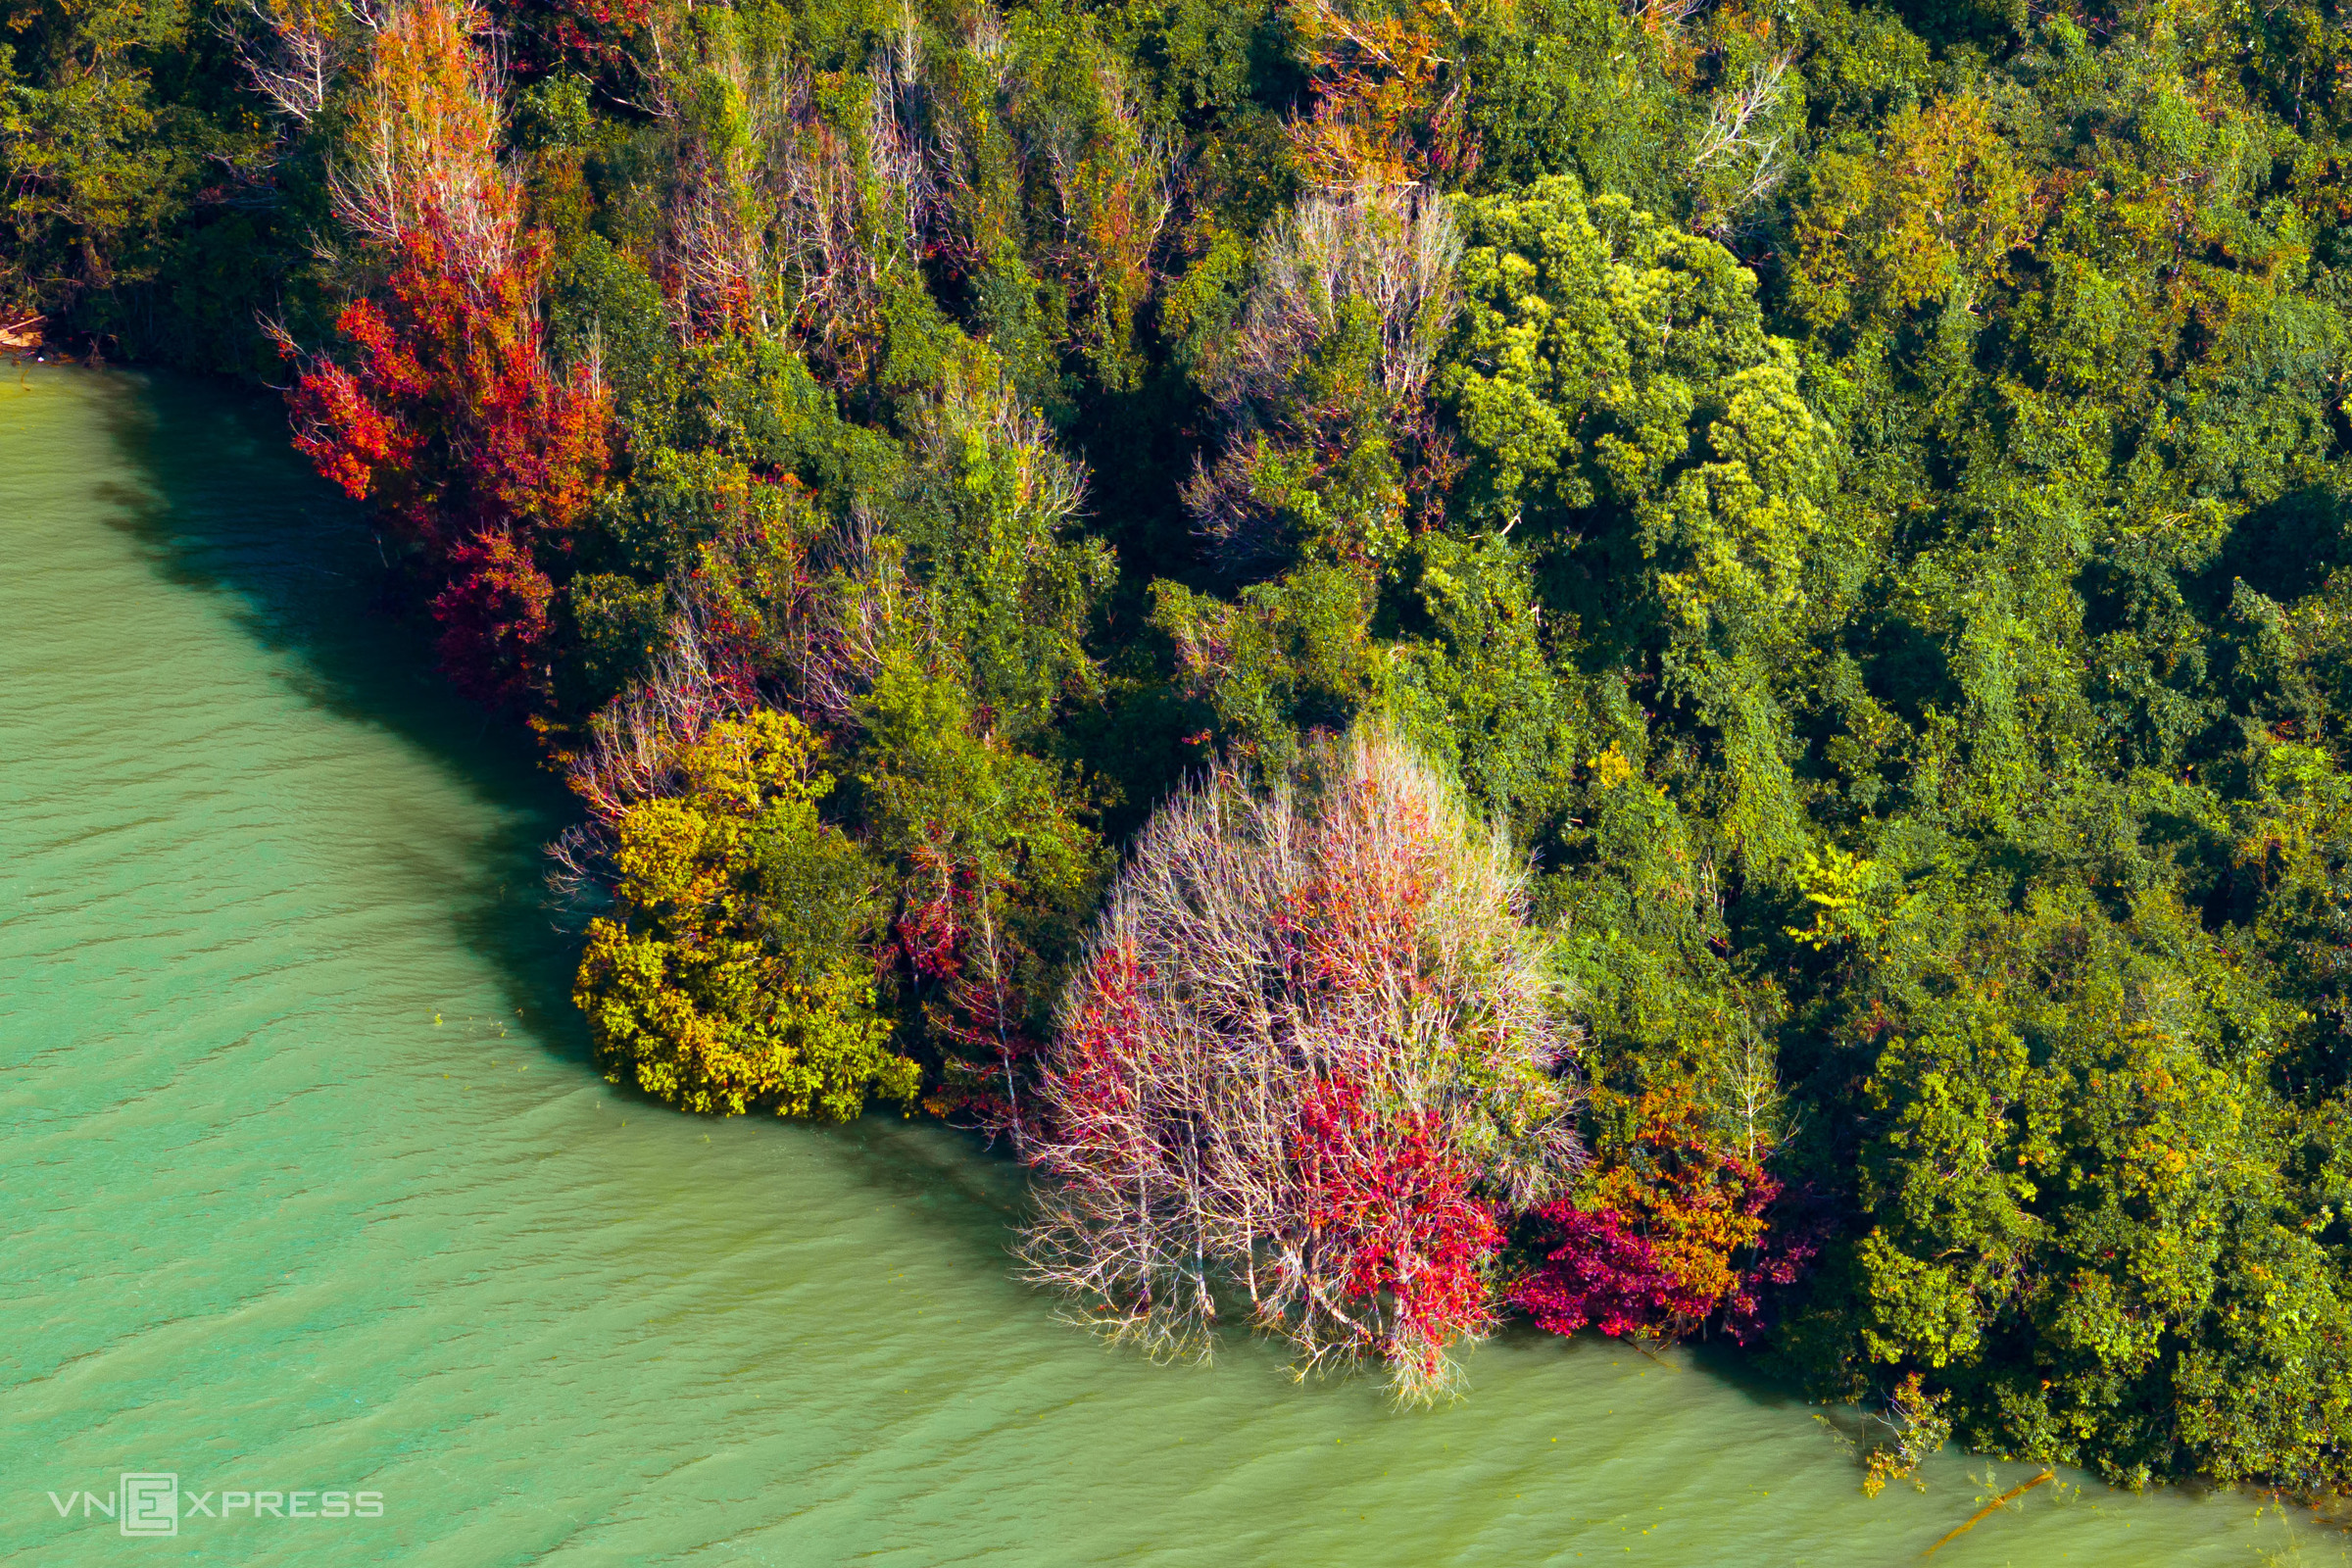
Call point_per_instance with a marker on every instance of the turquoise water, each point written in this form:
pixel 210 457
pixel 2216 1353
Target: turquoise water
pixel 310 1188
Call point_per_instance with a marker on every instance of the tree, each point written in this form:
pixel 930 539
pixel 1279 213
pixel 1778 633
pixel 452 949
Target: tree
pixel 997 870
pixel 2076 1222
pixel 92 166
pixel 1319 384
pixel 450 419
pixel 1614 390
pixel 730 976
pixel 1311 1057
pixel 1663 1238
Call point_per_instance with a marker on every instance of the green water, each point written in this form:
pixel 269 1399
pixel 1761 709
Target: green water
pixel 310 1187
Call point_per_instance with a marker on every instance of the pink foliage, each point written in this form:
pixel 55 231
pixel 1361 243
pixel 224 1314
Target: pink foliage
pixel 1310 1064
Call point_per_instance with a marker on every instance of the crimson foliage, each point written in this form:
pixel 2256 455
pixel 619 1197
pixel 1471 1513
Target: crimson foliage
pixel 480 455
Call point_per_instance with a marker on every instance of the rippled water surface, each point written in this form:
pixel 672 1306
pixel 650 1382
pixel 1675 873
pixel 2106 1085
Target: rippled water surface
pixel 308 1184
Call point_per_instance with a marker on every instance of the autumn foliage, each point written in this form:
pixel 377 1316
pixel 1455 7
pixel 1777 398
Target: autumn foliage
pixel 1388 96
pixel 1863 491
pixel 696 991
pixel 445 411
pixel 1663 1241
pixel 1310 1064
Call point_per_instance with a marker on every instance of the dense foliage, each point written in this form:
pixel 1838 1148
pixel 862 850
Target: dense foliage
pixel 1857 493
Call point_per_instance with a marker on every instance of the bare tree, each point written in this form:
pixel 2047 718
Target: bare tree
pixel 862 601
pixel 974 406
pixel 1756 1096
pixel 634 743
pixel 1737 149
pixel 292 53
pixel 712 251
pixel 1392 248
pixel 1113 185
pixel 859 602
pixel 1297 997
pixel 845 209
pixel 1389 247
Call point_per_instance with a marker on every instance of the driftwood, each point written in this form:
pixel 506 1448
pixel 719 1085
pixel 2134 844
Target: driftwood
pixel 1991 1509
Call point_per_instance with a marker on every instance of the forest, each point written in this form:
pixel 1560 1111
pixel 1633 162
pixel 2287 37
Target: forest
pixel 1680 667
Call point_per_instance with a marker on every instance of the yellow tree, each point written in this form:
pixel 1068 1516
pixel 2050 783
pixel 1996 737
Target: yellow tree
pixel 728 976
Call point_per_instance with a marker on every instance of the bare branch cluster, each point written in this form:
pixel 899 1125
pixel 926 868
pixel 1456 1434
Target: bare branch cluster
pixel 1389 248
pixel 846 213
pixel 781 213
pixel 426 144
pixel 712 249
pixel 716 253
pixel 1357 929
pixel 1657 13
pixel 1114 188
pixel 1736 141
pixel 862 599
pixel 1389 95
pixel 635 742
pixel 799 211
pixel 974 404
pixel 864 603
pixel 292 51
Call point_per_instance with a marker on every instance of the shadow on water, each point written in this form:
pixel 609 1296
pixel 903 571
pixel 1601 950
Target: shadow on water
pixel 1739 1369
pixel 968 1192
pixel 217 500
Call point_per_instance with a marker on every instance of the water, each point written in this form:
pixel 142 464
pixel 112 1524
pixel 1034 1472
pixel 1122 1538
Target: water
pixel 308 1185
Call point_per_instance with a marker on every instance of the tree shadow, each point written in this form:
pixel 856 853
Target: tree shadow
pixel 1755 1378
pixel 213 498
pixel 2283 550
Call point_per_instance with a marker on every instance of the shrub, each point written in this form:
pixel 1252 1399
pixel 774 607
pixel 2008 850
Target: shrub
pixel 1655 1246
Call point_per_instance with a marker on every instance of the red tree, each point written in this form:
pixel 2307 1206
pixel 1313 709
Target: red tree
pixel 1668 1238
pixel 450 420
pixel 1389 1200
pixel 448 415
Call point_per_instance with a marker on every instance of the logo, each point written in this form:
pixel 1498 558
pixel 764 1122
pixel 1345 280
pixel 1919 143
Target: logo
pixel 150 1504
